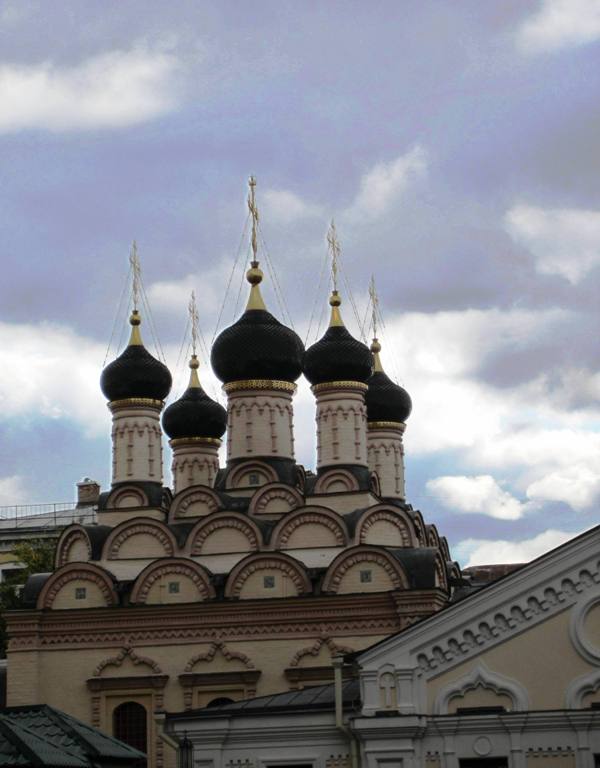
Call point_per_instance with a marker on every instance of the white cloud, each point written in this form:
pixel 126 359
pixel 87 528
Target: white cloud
pixel 286 207
pixel 488 551
pixel 51 372
pixel 13 490
pixel 113 89
pixel 381 186
pixel 577 485
pixel 480 494
pixel 560 24
pixel 564 241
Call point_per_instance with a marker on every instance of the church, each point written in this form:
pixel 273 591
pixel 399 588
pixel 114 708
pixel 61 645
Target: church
pixel 242 580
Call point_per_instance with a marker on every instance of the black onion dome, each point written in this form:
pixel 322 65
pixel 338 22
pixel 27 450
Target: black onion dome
pixel 257 346
pixel 135 373
pixel 338 356
pixel 195 414
pixel 385 400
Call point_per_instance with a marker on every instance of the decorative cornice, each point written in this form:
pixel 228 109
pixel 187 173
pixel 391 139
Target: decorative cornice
pixel 482 677
pixel 396 426
pixel 273 385
pixel 178 442
pixel 327 386
pixel 135 402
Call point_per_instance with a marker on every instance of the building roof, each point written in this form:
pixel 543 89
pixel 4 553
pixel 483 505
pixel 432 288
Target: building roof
pixel 319 697
pixel 40 735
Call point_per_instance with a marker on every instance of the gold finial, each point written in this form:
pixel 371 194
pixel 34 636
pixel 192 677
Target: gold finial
pixel 334 299
pixel 375 345
pixel 136 276
pixel 194 322
pixel 254 275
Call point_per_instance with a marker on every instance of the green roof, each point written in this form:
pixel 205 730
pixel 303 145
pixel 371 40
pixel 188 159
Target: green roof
pixel 43 736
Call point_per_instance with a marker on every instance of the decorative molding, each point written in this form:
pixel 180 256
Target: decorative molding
pixel 328 386
pixel 272 491
pixel 180 567
pixel 211 653
pixel 306 516
pixel 482 677
pixel 313 650
pixel 177 442
pixel 580 687
pixel 363 554
pixel 252 465
pixel 335 476
pixel 396 426
pixel 193 495
pixel 135 402
pixel 231 520
pixel 69 538
pixel 267 384
pixel 127 491
pixel 260 562
pixel 395 516
pixel 75 572
pixel 137 526
pixel 583 645
pixel 127 653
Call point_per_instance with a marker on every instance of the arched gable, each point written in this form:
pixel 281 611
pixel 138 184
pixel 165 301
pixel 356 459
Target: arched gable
pixel 386 525
pixel 364 569
pixel 251 473
pixel 441 574
pixel 172 580
pixel 336 480
pixel 264 575
pixel 214 650
pixel 127 497
pixel 73 546
pixel 141 537
pixel 224 532
pixel 78 585
pixel 194 501
pixel 311 526
pixel 419 524
pixel 126 662
pixel 433 537
pixel 275 498
pixel 481 677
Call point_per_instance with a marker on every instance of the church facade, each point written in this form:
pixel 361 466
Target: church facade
pixel 243 579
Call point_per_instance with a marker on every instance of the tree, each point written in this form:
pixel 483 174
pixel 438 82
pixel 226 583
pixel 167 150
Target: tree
pixel 36 556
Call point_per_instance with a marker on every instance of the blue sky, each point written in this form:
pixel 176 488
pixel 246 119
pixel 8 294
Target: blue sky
pixel 455 143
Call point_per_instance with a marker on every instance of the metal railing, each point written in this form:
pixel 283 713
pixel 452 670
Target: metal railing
pixel 43 515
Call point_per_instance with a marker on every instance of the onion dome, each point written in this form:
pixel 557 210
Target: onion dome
pixel 257 346
pixel 337 356
pixel 195 414
pixel 135 373
pixel 385 400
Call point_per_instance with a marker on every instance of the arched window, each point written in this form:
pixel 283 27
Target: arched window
pixel 219 702
pixel 130 725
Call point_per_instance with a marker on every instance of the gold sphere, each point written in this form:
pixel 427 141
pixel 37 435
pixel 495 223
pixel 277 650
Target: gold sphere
pixel 334 299
pixel 254 275
pixel 375 346
pixel 135 318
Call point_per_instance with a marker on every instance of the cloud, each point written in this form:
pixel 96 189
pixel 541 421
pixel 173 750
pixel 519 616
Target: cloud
pixel 564 241
pixel 488 551
pixel 13 490
pixel 49 371
pixel 111 90
pixel 286 207
pixel 381 186
pixel 576 485
pixel 559 24
pixel 480 494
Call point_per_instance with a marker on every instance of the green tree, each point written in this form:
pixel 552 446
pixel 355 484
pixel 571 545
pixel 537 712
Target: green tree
pixel 35 556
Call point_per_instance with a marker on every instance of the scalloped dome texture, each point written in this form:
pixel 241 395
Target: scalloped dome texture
pixel 257 346
pixel 385 400
pixel 135 373
pixel 195 414
pixel 337 356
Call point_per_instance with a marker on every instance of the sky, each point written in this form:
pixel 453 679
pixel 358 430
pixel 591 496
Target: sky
pixel 457 147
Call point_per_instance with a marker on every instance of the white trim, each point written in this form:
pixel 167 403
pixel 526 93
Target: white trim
pixel 580 687
pixel 584 647
pixel 482 676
